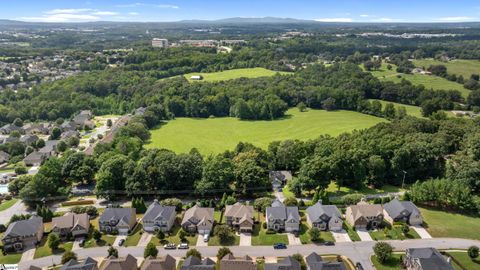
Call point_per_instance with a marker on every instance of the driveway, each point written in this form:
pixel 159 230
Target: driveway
pixel 279 195
pixel 144 239
pixel 76 244
pixel 116 243
pixel 422 232
pixel 364 235
pixel 293 241
pixel 341 236
pixel 245 239
pixel 200 242
pixel 28 255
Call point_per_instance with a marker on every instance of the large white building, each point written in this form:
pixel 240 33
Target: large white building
pixel 160 42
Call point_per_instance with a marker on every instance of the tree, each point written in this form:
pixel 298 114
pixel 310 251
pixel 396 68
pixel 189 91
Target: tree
pixel 405 229
pixel 182 235
pixel 97 235
pixel 40 143
pixel 67 256
pixel 20 169
pixel 173 202
pixel 53 241
pixel 299 258
pixel 261 204
pixel 301 107
pixel 56 132
pixel 473 252
pixel 112 252
pixel 18 122
pixel 222 252
pixel 224 233
pixel 109 123
pixel 160 235
pixel 383 251
pixel 194 252
pixel 329 104
pixel 61 147
pixel 314 234
pixel 217 175
pixel 290 201
pixel 150 250
pixel 389 111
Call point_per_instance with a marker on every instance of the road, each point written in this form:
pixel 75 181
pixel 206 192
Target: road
pixel 18 208
pixel 356 251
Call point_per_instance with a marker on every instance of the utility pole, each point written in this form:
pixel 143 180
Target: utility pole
pixel 403 181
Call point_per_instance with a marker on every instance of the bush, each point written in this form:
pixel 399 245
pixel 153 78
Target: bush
pixel 290 201
pixel 473 252
pixel 173 202
pixel 383 251
pixel 264 225
pixel 193 252
pixel 67 256
pixel 314 234
pixel 20 169
pixel 351 199
pixel 270 231
pixel 222 252
pixel 150 250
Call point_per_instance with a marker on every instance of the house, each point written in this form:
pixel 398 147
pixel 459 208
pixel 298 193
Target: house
pixel 159 217
pixel 198 219
pixel 8 128
pixel 4 157
pixel 68 126
pixel 83 119
pixel 120 220
pixel 282 218
pixel 35 158
pixel 239 216
pixel 71 224
pixel 324 217
pixel 279 178
pixel 29 139
pixel 126 263
pixel 140 111
pixel 287 263
pixel 402 211
pixel 364 215
pixel 70 134
pixel 196 78
pixel 229 262
pixel 426 259
pixel 163 263
pixel 23 233
pixel 87 264
pixel 49 148
pixel 315 262
pixel 194 263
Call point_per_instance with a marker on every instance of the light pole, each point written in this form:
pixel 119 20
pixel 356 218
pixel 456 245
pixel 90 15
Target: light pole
pixel 403 181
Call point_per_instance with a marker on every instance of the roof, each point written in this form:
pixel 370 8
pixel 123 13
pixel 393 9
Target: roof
pixel 127 263
pixel 200 213
pixel 287 263
pixel 363 209
pixel 49 146
pixel 87 264
pixel 164 263
pixel 395 207
pixel 279 211
pixel 110 213
pixel 35 157
pixel 4 156
pixel 315 262
pixel 194 263
pixel 71 220
pixel 429 258
pixel 239 210
pixel 24 227
pixel 280 175
pixel 317 210
pixel 156 211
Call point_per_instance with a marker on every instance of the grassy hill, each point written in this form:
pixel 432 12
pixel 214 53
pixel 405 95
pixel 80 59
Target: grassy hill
pixel 433 82
pixel 411 110
pixel 235 74
pixel 457 67
pixel 215 135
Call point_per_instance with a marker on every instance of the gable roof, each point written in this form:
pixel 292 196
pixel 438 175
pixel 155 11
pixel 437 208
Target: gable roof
pixel 363 209
pixel 24 227
pixel 395 207
pixel 287 263
pixel 125 214
pixel 429 258
pixel 71 220
pixel 157 211
pixel 315 262
pixel 194 263
pixel 127 263
pixel 203 214
pixel 164 263
pixel 238 210
pixel 87 264
pixel 317 210
pixel 279 211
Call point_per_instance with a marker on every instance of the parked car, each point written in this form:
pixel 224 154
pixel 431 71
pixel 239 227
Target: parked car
pixel 170 246
pixel 280 246
pixel 359 266
pixel 329 243
pixel 120 243
pixel 183 246
pixel 82 243
pixel 205 237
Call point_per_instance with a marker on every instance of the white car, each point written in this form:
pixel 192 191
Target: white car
pixel 205 237
pixel 183 246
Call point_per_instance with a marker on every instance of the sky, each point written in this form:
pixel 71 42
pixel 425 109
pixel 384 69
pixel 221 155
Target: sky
pixel 175 10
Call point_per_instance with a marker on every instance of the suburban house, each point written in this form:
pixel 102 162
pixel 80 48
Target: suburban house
pixel 279 178
pixel 282 218
pixel 229 262
pixel 4 157
pixel 426 259
pixel 239 216
pixel 87 264
pixel 364 215
pixel 324 217
pixel 315 262
pixel 126 263
pixel 68 126
pixel 194 263
pixel 29 139
pixel 159 217
pixel 287 263
pixel 406 211
pixel 37 157
pixel 163 263
pixel 120 220
pixel 83 119
pixel 8 128
pixel 23 233
pixel 70 134
pixel 198 219
pixel 71 224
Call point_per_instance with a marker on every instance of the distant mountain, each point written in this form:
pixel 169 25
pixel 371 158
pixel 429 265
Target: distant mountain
pixel 262 20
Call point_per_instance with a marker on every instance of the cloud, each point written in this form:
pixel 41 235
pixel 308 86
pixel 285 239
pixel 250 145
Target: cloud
pixel 147 5
pixel 62 18
pixel 384 20
pixel 133 13
pixel 364 15
pixel 104 13
pixel 334 20
pixel 456 19
pixel 67 11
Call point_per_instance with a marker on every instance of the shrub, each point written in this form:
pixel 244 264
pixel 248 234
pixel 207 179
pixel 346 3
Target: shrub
pixel 290 201
pixel 150 250
pixel 383 251
pixel 222 252
pixel 352 199
pixel 473 252
pixel 194 252
pixel 67 256
pixel 314 234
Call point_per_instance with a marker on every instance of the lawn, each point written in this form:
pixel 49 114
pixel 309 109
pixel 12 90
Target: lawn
pixel 393 233
pixel 447 224
pixel 334 190
pixel 215 241
pixel 43 250
pixel 173 237
pixel 104 241
pixel 218 216
pixel 411 110
pixel 287 193
pixel 305 237
pixel 351 232
pixel 134 237
pixel 215 135
pixel 464 260
pixel 457 67
pixel 235 74
pixel 261 238
pixel 429 81
pixel 391 264
pixel 7 204
pixel 12 258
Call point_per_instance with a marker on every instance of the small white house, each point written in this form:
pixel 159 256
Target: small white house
pixel 196 77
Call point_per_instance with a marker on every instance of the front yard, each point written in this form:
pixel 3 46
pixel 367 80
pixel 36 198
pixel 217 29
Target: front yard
pixel 261 238
pixel 43 250
pixel 134 236
pixel 305 236
pixel 215 241
pixel 7 204
pixel 393 233
pixel 447 224
pixel 10 258
pixel 463 259
pixel 393 263
pixel 174 238
pixel 351 232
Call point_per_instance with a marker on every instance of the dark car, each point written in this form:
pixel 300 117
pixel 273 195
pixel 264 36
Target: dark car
pixel 359 266
pixel 280 246
pixel 329 243
pixel 82 243
pixel 120 243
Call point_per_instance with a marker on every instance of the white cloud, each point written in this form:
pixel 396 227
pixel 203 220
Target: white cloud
pixel 364 15
pixel 133 13
pixel 383 20
pixel 147 5
pixel 62 18
pixel 104 13
pixel 67 11
pixel 334 20
pixel 457 19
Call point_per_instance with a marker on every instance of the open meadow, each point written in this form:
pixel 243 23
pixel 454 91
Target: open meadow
pixel 215 135
pixel 411 110
pixel 235 74
pixel 458 66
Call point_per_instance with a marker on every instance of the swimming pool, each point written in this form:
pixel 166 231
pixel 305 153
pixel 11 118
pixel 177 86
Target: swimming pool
pixel 3 189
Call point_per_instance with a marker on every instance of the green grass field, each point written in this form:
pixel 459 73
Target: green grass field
pixel 235 74
pixel 393 233
pixel 7 204
pixel 411 110
pixel 215 135
pixel 261 238
pixel 393 263
pixel 445 224
pixel 464 260
pixel 433 82
pixel 458 67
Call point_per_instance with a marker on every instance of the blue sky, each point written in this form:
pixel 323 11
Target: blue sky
pixel 174 10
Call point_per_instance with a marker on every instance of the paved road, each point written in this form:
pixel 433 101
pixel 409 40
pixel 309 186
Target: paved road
pixel 356 251
pixel 18 208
